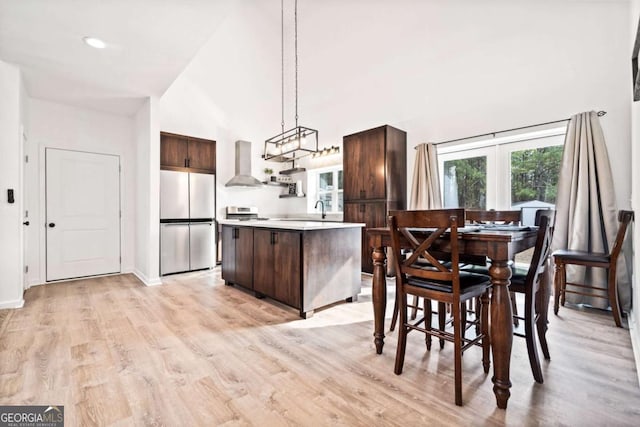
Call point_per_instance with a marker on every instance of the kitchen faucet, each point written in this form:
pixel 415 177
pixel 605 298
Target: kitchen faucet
pixel 324 214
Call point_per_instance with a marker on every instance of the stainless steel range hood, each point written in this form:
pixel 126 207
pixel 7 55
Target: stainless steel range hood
pixel 243 176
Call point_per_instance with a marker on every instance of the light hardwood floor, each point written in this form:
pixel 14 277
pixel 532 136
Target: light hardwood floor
pixel 194 352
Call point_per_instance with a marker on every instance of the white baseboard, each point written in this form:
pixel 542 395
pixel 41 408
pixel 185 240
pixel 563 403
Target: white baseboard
pixel 36 283
pixel 146 280
pixel 634 331
pixel 19 303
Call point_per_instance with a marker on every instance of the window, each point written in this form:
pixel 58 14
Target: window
pixel 514 172
pixel 328 188
pixel 534 174
pixel 465 182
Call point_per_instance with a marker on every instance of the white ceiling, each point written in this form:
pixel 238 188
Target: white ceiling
pixel 149 43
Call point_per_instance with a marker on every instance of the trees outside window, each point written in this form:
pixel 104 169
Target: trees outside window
pixel 534 174
pixel 466 183
pixel 517 172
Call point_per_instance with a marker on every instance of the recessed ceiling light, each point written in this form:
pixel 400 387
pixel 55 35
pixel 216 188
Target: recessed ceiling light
pixel 94 42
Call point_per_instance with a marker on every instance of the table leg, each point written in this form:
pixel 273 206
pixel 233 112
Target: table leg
pixel 501 330
pixel 379 296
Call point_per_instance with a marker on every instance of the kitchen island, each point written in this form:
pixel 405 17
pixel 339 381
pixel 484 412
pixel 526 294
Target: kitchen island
pixel 304 264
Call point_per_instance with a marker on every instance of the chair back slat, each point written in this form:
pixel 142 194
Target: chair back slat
pixel 549 213
pixel 624 217
pixel 421 249
pixel 493 216
pixel 428 218
pixel 540 252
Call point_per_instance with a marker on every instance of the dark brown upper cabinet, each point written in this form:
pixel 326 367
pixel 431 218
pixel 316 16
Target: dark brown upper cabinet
pixel 186 153
pixel 375 165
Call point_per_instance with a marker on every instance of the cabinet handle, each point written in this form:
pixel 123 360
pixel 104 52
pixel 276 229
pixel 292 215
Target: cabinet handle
pixel 185 163
pixel 236 233
pixel 274 239
pixel 188 162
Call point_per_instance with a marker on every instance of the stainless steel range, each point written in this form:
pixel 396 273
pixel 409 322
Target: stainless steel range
pixel 243 213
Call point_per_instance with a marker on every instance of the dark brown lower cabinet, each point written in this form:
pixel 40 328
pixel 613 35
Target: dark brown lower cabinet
pixel 374 215
pixel 237 256
pixel 305 269
pixel 277 263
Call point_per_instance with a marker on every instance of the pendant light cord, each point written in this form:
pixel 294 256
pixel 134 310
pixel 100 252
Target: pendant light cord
pixel 295 16
pixel 282 60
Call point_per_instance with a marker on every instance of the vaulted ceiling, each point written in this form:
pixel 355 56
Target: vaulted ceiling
pixel 149 42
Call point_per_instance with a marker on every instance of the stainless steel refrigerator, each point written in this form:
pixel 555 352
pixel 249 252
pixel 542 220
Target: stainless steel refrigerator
pixel 187 221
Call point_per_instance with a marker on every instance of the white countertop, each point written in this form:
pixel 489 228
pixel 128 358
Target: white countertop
pixel 291 224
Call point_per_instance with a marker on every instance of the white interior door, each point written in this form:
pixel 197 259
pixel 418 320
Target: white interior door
pixel 25 210
pixel 82 214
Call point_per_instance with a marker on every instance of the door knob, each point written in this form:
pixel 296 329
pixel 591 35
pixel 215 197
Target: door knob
pixel 52 224
pixel 25 223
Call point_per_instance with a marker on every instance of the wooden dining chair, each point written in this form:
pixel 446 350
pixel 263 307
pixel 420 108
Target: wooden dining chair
pixel 528 281
pixel 440 281
pixel 480 265
pixel 608 261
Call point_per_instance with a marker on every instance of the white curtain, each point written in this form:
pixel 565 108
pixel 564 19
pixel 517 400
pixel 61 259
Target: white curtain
pixel 425 187
pixel 587 213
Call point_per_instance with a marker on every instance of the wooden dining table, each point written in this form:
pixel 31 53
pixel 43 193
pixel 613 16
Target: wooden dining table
pixel 499 246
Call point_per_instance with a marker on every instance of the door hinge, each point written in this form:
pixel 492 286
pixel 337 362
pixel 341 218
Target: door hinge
pixel 26 214
pixel 26 269
pixel 26 159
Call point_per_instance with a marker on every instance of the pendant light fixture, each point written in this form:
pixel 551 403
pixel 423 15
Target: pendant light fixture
pixel 300 141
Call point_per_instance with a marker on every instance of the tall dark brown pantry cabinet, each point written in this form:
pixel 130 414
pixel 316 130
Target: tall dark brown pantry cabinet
pixel 374 166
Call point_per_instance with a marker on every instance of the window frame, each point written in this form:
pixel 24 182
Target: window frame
pixel 314 178
pixel 498 152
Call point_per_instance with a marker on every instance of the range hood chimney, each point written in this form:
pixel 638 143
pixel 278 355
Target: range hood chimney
pixel 243 176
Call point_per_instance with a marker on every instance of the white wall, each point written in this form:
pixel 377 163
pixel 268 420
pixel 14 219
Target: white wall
pixel 147 187
pixel 231 91
pixel 444 70
pixel 53 125
pixel 439 70
pixel 634 318
pixel 10 171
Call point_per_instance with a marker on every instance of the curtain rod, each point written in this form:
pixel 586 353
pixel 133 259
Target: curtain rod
pixel 600 114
